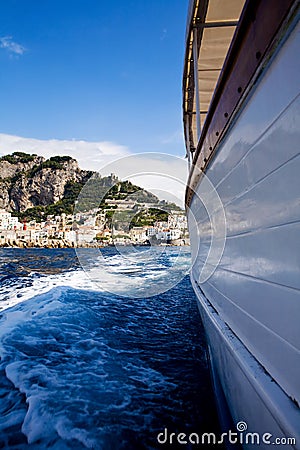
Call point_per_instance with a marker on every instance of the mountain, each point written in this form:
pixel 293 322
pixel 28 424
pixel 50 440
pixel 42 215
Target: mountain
pixel 32 186
pixel 27 181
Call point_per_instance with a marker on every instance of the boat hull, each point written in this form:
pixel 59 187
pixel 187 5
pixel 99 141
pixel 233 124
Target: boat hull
pixel 245 392
pixel 250 303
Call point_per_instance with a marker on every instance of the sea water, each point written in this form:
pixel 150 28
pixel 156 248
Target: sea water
pixel 84 365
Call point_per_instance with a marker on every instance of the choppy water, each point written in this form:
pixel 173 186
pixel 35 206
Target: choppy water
pixel 85 368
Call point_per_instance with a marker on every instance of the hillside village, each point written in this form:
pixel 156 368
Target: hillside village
pixel 39 207
pixel 88 230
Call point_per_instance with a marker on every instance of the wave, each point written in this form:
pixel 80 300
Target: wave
pixel 40 284
pixel 81 367
pixel 142 273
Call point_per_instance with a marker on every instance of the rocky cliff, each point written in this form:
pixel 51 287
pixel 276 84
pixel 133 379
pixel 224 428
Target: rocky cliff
pixel 27 181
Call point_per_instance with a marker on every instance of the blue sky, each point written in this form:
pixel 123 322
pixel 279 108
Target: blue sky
pixel 106 71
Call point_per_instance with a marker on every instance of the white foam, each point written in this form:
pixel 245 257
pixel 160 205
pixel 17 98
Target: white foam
pixel 25 312
pixel 120 274
pixel 14 295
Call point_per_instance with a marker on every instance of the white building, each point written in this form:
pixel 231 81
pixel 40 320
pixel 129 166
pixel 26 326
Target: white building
pixel 168 235
pixel 85 235
pixel 151 231
pixel 70 236
pixel 177 221
pixel 138 234
pixel 8 222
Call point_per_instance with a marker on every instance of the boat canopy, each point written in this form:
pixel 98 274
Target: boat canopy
pixel 228 45
pixel 210 29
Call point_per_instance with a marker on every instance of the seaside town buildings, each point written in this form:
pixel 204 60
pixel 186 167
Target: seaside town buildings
pixel 89 229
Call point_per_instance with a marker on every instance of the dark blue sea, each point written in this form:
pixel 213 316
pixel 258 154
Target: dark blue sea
pixel 101 358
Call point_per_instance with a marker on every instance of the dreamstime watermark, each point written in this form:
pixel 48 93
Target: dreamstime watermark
pixel 164 176
pixel 240 436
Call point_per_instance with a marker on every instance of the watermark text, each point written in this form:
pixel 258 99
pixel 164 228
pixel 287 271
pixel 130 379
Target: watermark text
pixel 239 436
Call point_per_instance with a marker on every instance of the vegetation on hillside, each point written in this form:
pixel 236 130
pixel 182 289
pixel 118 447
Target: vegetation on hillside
pixel 16 157
pixel 54 163
pixel 147 217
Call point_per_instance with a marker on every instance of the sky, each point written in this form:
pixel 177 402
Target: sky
pixel 93 70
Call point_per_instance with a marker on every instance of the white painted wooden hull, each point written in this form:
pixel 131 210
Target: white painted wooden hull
pixel 251 304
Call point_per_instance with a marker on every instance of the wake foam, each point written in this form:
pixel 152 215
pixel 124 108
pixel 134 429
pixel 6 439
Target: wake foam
pixel 139 273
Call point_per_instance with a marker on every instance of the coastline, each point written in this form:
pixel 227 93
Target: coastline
pixel 53 244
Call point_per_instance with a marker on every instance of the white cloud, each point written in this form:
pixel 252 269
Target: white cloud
pixel 12 47
pixel 90 155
